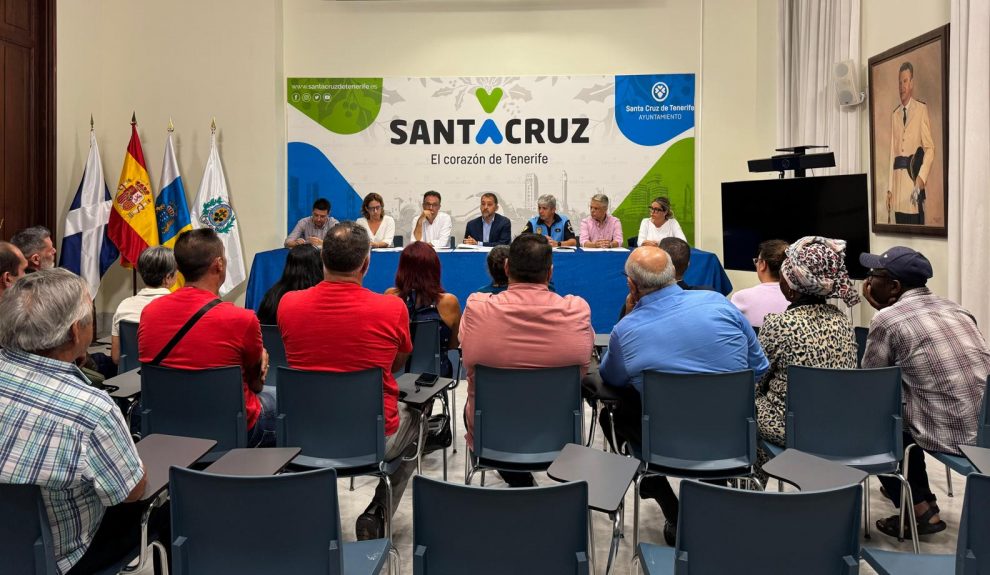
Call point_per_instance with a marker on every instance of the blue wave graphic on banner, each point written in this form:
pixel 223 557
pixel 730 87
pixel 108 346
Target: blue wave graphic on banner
pixel 651 109
pixel 312 175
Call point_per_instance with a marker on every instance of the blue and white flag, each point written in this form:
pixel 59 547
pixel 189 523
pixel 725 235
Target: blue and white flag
pixel 86 248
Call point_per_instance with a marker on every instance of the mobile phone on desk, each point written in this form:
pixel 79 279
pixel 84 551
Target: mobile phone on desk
pixel 427 379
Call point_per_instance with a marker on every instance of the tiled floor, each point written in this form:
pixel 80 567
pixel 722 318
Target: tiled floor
pixel 353 503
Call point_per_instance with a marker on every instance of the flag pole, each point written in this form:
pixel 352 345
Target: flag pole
pixel 134 267
pixel 92 129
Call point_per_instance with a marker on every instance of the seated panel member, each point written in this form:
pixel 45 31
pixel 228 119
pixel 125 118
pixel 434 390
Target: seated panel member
pixel 431 225
pixel 225 335
pixel 380 227
pixel 556 227
pixel 58 432
pixel 944 363
pixel 491 228
pixel 312 228
pixel 674 331
pixel 601 229
pixel 661 224
pixel 535 327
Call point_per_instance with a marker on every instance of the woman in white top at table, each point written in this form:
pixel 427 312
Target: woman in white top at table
pixel 380 227
pixel 661 224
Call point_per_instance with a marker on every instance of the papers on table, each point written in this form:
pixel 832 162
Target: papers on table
pixel 565 249
pixel 604 249
pixel 475 247
pixel 397 249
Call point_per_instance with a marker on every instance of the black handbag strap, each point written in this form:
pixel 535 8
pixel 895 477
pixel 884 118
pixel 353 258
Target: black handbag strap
pixel 183 331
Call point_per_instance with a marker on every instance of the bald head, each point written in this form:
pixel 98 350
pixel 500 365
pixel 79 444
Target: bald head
pixel 650 269
pixel 12 265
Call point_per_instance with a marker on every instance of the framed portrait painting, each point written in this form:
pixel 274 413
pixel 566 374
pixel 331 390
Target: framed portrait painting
pixel 909 124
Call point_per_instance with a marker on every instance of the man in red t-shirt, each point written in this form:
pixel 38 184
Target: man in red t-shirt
pixel 226 335
pixel 364 330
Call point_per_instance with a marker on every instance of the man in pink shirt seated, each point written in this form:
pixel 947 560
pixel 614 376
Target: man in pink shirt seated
pixel 756 302
pixel 536 328
pixel 601 229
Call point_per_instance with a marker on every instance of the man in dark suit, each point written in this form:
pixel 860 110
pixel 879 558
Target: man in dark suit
pixel 490 229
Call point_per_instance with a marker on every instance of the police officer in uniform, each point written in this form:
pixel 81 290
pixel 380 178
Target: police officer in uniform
pixel 912 152
pixel 556 227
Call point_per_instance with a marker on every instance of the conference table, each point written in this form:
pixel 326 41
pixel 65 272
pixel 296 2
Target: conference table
pixel 596 276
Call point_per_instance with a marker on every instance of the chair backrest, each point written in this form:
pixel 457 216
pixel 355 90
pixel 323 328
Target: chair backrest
pixel 425 355
pixel 25 536
pixel 397 241
pixel 527 530
pixel 336 418
pixel 526 416
pixel 861 334
pixel 272 338
pixel 127 331
pixel 810 532
pixel 844 413
pixel 973 545
pixel 633 242
pixel 206 403
pixel 451 242
pixel 699 421
pixel 301 513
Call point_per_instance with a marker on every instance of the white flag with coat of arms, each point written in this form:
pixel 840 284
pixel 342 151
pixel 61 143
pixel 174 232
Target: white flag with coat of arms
pixel 212 209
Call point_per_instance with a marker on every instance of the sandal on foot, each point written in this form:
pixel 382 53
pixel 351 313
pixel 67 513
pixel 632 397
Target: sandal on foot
pixel 889 526
pixel 886 495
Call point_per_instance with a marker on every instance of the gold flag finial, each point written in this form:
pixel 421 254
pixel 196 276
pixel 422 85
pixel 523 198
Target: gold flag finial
pixel 91 124
pixel 213 125
pixel 171 127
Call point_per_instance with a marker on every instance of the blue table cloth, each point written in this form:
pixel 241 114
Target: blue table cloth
pixel 595 276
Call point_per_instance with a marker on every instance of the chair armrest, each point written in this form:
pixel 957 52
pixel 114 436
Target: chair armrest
pixel 789 430
pixel 681 565
pixel 477 433
pixel 335 557
pixel 645 441
pixel 898 431
pixel 380 423
pixel 419 560
pixel 751 440
pixel 180 560
pixel 241 428
pixel 578 425
pixel 582 563
pixel 850 565
pixel 280 430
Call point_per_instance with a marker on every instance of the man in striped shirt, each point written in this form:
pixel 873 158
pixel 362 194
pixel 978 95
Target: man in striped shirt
pixel 59 433
pixel 944 363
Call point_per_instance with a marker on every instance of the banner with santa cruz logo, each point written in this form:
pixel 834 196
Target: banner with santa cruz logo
pixel 629 137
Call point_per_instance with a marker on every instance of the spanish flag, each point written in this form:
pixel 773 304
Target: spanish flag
pixel 132 225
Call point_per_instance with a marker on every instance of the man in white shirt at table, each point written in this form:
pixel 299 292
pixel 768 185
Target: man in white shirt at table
pixel 431 225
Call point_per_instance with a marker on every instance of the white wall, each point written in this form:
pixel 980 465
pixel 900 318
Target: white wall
pixel 192 60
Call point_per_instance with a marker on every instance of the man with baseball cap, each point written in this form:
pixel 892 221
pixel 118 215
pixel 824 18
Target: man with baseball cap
pixel 944 363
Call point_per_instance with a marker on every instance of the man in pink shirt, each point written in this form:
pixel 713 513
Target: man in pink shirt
pixel 535 327
pixel 600 229
pixel 756 302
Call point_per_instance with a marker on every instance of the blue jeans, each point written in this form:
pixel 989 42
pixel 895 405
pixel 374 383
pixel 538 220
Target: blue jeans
pixel 263 432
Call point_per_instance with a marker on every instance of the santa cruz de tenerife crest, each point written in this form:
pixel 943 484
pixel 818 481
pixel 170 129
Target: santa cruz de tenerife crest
pixel 218 215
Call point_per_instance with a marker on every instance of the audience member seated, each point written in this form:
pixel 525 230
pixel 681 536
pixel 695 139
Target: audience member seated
pixel 156 265
pixel 381 228
pixel 556 227
pixel 431 225
pixel 311 229
pixel 673 331
pixel 601 229
pixel 944 363
pixel 303 270
pixel 661 224
pixel 417 283
pixel 680 254
pixel 811 332
pixel 36 245
pixel 496 270
pixel 13 266
pixel 756 302
pixel 60 433
pixel 340 326
pixel 490 228
pixel 525 327
pixel 225 335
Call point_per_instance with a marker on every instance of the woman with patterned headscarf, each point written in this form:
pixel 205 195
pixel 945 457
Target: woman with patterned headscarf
pixel 811 331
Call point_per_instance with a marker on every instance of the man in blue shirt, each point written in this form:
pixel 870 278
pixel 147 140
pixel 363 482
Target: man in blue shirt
pixel 674 331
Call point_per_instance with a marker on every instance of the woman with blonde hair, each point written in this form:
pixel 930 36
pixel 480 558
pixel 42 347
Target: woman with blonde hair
pixel 661 224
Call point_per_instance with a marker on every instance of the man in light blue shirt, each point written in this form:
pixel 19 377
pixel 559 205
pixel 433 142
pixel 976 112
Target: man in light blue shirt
pixel 675 331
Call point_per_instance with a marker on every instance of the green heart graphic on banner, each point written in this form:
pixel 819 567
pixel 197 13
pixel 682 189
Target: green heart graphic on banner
pixel 488 101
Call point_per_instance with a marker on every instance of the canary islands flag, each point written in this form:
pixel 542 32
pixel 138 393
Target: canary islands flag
pixel 86 246
pixel 132 222
pixel 171 209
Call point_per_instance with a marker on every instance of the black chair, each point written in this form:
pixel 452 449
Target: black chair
pixel 861 334
pixel 633 242
pixel 303 533
pixel 129 359
pixel 397 241
pixel 272 338
pixel 205 403
pixel 528 530
pixel 523 418
pixel 25 537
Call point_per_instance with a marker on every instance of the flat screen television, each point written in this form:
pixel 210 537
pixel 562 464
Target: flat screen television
pixel 832 206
